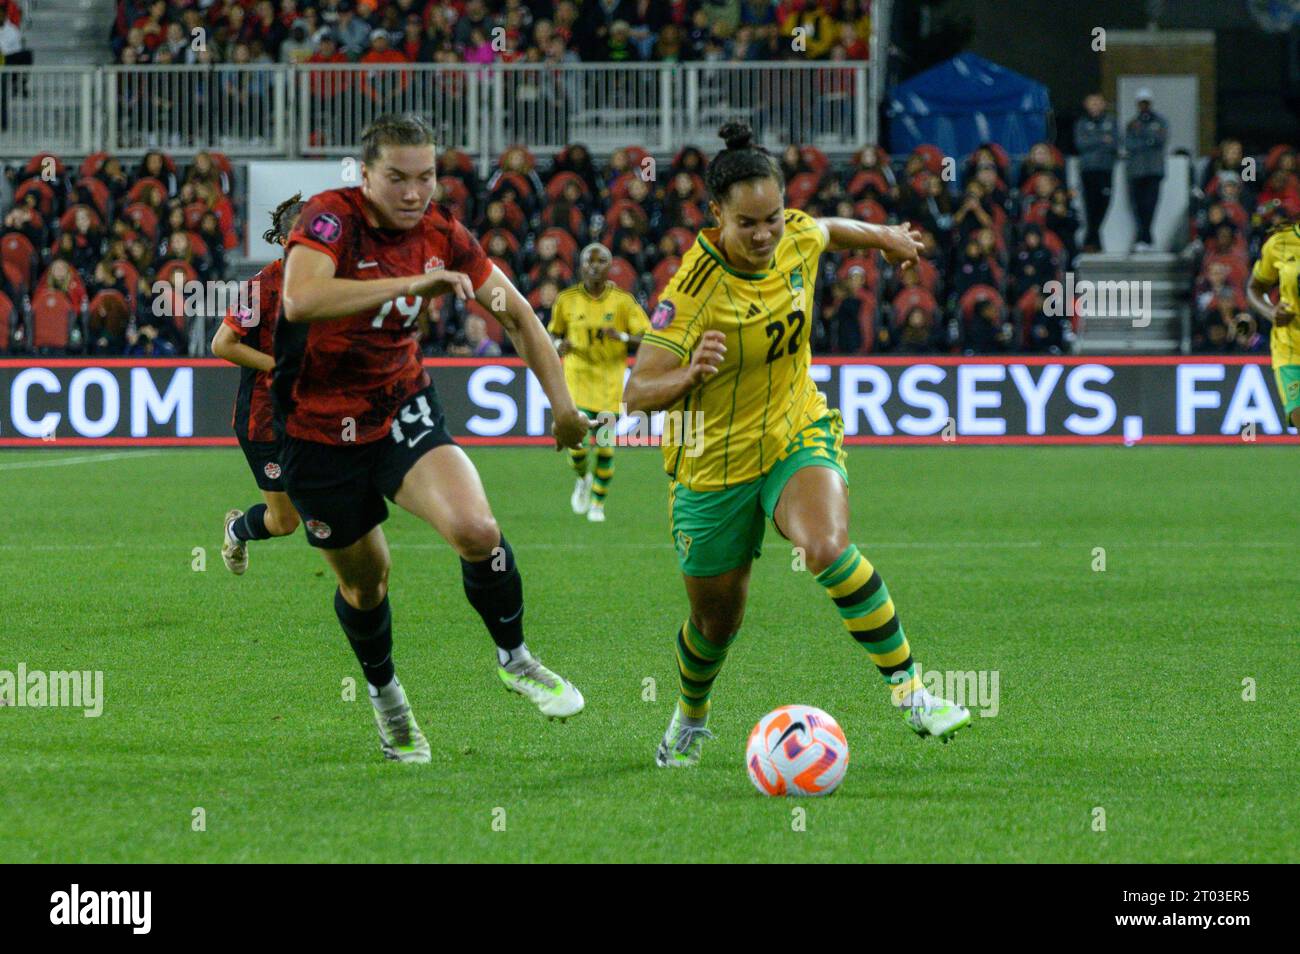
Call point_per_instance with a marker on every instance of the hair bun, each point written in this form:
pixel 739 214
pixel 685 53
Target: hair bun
pixel 737 134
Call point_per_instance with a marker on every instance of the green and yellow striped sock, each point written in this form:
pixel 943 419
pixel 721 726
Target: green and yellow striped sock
pixel 578 458
pixel 698 662
pixel 868 613
pixel 604 473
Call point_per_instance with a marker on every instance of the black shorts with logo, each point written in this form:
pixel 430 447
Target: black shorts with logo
pixel 339 489
pixel 264 461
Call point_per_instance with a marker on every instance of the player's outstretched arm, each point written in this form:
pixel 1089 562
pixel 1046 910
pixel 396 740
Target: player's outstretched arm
pixel 498 295
pixel 312 293
pixel 899 243
pixel 659 379
pixel 227 346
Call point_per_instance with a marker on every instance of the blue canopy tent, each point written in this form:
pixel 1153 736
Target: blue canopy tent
pixel 964 102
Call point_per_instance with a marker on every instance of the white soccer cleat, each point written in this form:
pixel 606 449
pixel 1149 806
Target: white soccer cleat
pixel 681 744
pixel 580 499
pixel 596 514
pixel 936 717
pixel 234 553
pixel 554 695
pixel 399 736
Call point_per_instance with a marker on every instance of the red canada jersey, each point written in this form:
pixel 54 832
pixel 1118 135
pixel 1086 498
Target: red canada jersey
pixel 253 419
pixel 341 380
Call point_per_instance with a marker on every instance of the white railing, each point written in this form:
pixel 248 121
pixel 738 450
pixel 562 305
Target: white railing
pixel 320 110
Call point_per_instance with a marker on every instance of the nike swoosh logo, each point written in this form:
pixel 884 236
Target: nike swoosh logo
pixel 415 440
pixel 786 734
pixel 361 265
pixel 511 619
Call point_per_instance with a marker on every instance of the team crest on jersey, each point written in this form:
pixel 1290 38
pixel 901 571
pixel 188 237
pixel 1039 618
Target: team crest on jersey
pixel 1293 390
pixel 319 529
pixel 796 277
pixel 272 470
pixel 326 227
pixel 434 263
pixel 663 316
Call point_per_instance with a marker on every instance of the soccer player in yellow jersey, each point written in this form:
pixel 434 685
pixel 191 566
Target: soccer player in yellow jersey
pixel 1279 267
pixel 728 357
pixel 593 323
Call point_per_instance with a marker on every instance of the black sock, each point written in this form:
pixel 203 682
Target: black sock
pixel 252 525
pixel 495 589
pixel 371 634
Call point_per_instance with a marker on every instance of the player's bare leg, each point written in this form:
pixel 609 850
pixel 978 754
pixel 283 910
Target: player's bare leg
pixel 276 518
pixel 717 610
pixel 361 603
pixel 813 514
pixel 444 490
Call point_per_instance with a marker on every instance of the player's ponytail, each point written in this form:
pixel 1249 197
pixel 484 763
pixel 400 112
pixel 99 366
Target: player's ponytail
pixel 740 161
pixel 394 129
pixel 282 218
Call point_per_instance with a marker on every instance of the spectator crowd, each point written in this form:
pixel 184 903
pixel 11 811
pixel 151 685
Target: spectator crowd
pixel 478 31
pixel 82 249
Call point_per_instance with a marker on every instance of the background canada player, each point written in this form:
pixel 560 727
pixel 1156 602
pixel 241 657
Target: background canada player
pixel 247 340
pixel 593 323
pixel 363 423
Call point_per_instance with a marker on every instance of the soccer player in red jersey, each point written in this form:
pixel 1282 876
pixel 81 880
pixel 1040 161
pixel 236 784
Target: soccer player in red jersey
pixel 246 338
pixel 362 421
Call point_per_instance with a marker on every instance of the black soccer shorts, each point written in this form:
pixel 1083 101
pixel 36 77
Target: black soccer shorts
pixel 264 461
pixel 339 489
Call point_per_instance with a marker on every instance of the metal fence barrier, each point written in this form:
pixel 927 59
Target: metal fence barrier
pixel 320 110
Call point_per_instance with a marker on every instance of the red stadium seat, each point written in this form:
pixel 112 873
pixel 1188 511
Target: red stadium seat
pixel 129 274
pixel 566 244
pixel 665 270
pixel 16 278
pixel 914 297
pixel 52 315
pixel 198 243
pixel 454 192
pixel 815 159
pixel 44 195
pixel 144 218
pixel 136 194
pixel 164 271
pixel 67 221
pixel 6 321
pixel 509 236
pixel 801 188
pixel 622 274
pixel 36 164
pixel 16 250
pixel 555 188
pixel 869 210
pixel 866 262
pixel 109 314
pixel 974 296
pixel 91 164
pixel 523 188
pixel 683 237
pixel 99 193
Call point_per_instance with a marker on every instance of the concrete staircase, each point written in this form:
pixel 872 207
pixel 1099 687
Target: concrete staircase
pixel 1161 276
pixel 69 32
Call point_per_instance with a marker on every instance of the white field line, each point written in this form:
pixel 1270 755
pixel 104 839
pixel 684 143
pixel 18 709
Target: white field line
pixel 78 459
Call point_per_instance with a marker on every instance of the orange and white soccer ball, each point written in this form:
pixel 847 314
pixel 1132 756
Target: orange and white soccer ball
pixel 797 750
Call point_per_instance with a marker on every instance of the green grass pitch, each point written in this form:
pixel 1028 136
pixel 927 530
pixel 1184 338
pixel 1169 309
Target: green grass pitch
pixel 1119 690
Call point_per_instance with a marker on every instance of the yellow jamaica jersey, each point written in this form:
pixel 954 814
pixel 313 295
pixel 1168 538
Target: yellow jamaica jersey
pixel 1279 264
pixel 763 394
pixel 595 364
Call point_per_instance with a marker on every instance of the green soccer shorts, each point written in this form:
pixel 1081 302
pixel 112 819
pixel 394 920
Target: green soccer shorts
pixel 1288 387
pixel 719 530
